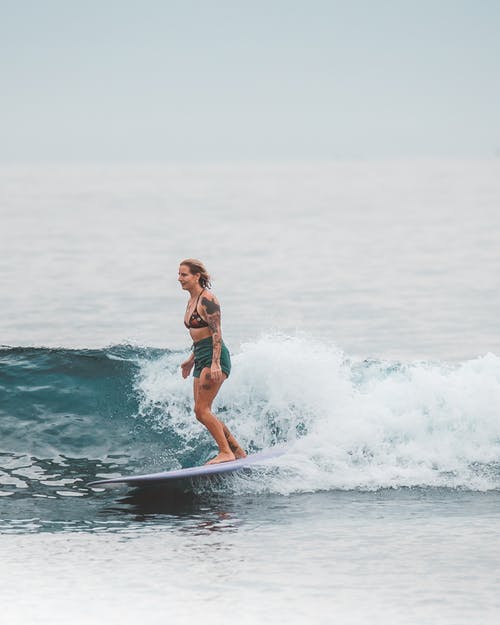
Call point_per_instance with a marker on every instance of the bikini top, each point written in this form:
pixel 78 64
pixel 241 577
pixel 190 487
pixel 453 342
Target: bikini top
pixel 196 321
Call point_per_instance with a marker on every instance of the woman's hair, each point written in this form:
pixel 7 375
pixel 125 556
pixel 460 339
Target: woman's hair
pixel 196 266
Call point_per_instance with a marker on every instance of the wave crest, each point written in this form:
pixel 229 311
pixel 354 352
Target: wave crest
pixel 348 424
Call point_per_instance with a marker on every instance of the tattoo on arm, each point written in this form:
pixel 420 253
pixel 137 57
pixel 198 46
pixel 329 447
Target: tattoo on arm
pixel 214 325
pixel 211 306
pixel 213 319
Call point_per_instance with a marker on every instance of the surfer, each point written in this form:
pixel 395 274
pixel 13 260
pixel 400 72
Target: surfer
pixel 210 356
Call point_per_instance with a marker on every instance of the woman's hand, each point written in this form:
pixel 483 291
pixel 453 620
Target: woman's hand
pixel 186 367
pixel 216 373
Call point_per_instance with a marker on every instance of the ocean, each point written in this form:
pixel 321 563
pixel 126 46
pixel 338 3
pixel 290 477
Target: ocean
pixel 360 302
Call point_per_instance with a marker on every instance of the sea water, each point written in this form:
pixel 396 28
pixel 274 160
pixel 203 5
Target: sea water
pixel 360 302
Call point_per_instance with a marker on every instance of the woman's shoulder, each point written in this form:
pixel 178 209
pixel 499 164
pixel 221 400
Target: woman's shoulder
pixel 209 294
pixel 209 301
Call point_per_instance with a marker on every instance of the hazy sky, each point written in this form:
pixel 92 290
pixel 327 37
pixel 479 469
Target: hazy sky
pixel 212 80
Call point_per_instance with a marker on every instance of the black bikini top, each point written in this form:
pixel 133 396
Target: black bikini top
pixel 196 321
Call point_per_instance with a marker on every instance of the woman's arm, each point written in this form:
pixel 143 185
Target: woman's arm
pixel 211 309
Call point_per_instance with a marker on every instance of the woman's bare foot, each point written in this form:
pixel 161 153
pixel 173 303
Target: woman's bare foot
pixel 222 457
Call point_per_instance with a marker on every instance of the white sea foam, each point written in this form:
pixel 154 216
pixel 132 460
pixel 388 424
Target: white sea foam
pixel 347 424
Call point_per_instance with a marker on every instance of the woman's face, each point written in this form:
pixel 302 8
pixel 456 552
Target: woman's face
pixel 187 279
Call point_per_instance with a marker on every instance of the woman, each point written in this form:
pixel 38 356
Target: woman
pixel 210 357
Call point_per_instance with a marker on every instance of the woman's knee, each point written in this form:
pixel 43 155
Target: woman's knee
pixel 201 412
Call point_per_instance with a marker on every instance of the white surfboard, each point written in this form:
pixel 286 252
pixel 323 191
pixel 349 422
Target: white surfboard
pixel 152 479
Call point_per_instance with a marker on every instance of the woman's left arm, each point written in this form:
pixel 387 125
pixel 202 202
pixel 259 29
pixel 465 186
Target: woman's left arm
pixel 212 312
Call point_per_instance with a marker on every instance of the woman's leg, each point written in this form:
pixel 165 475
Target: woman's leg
pixel 236 448
pixel 204 393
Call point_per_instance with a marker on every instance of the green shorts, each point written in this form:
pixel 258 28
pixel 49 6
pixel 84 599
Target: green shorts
pixel 203 351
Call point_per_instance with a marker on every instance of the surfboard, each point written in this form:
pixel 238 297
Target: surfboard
pixel 190 473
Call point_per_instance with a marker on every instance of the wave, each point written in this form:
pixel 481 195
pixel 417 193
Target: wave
pixel 68 416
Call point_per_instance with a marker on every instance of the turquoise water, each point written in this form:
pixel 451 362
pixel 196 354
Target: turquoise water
pixel 360 303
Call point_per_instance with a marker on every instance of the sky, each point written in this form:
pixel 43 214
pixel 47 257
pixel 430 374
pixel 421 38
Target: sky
pixel 274 80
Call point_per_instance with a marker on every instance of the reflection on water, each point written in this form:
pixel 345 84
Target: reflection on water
pixel 187 511
pixel 135 513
